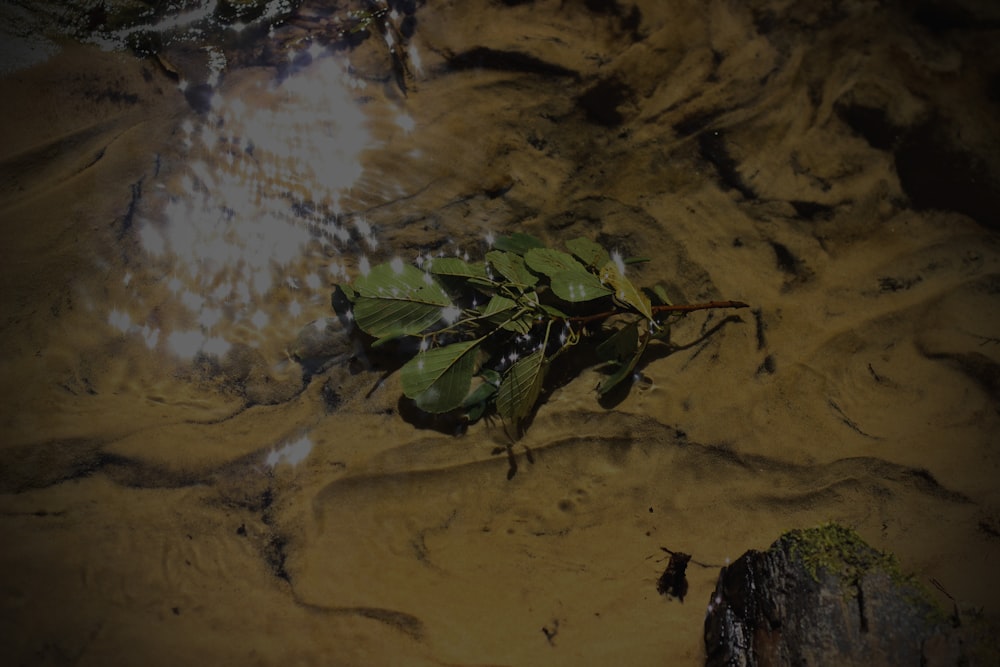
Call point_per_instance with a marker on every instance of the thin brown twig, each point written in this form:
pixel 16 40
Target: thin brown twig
pixel 689 307
pixel 681 308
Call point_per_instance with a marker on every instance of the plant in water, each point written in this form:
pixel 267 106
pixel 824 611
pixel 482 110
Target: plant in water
pixel 487 332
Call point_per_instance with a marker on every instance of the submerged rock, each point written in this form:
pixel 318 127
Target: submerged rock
pixel 824 597
pixel 321 344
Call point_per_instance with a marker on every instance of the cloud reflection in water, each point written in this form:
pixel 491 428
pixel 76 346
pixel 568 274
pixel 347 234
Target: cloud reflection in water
pixel 247 226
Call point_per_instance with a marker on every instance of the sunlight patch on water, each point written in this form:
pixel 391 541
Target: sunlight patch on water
pixel 291 453
pixel 253 214
pixel 245 228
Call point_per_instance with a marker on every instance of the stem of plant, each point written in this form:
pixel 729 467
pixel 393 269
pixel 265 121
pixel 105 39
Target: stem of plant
pixel 682 308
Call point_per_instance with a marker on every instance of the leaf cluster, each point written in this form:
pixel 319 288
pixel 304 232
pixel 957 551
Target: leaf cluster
pixel 488 331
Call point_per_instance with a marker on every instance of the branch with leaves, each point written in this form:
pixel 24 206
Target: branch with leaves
pixel 489 331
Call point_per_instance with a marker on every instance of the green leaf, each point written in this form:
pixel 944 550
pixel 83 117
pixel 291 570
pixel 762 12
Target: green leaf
pixel 479 398
pixel 552 311
pixel 625 291
pixel 498 304
pixel 657 295
pixel 522 324
pixel 397 300
pixel 491 376
pixel 551 262
pixel 401 281
pixel 479 395
pixel 346 289
pixel 521 386
pixel 497 311
pixel 475 411
pixel 438 380
pixel 576 286
pixel 616 378
pixel 453 266
pixel 621 345
pixel 624 370
pixel 391 318
pixel 483 285
pixel 589 252
pixel 511 267
pixel 569 279
pixel 517 243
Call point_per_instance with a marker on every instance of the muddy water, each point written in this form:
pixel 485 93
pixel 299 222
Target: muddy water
pixel 175 488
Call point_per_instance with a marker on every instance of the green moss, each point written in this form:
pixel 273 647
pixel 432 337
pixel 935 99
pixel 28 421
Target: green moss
pixel 844 554
pixel 840 551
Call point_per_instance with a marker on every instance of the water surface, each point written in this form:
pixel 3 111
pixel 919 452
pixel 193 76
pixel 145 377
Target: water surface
pixel 178 486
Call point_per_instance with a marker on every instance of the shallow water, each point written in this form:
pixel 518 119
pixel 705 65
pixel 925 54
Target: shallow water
pixel 175 488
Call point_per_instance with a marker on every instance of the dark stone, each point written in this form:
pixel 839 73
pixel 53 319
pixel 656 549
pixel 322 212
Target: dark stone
pixel 871 123
pixel 600 102
pixel 935 174
pixel 941 17
pixel 321 344
pixel 824 597
pixel 993 88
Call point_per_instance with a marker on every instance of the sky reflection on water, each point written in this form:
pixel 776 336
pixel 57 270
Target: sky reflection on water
pixel 248 226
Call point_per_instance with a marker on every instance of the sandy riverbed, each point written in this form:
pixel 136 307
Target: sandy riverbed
pixel 832 164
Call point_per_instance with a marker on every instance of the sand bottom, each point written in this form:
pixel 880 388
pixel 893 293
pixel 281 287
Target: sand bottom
pixel 173 490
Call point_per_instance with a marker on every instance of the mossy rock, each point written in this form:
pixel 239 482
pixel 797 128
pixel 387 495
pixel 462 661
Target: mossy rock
pixel 832 549
pixel 822 596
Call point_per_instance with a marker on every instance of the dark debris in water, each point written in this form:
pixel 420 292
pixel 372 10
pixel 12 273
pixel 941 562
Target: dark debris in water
pixel 712 146
pixel 482 57
pixel 673 582
pixel 893 284
pixel 810 210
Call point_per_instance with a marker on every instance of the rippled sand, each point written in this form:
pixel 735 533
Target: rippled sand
pixel 174 492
